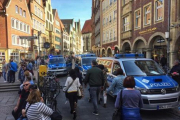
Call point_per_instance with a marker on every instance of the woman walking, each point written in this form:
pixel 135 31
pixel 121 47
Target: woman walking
pixel 131 100
pixel 72 84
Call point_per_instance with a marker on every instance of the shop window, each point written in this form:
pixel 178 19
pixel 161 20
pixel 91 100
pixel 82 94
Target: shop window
pixel 159 10
pixel 2 58
pixel 15 56
pixel 147 15
pixel 17 9
pixel 126 23
pixel 137 19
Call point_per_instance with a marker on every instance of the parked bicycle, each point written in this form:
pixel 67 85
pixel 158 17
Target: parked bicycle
pixel 50 90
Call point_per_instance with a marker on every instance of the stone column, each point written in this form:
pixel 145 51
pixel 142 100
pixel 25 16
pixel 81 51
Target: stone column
pixel 173 57
pixel 148 53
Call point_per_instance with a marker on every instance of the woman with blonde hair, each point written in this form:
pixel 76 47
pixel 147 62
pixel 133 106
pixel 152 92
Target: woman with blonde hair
pixel 35 108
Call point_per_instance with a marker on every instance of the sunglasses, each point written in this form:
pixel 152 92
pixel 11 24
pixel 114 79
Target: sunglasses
pixel 25 84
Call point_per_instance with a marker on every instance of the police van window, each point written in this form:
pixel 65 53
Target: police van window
pixel 115 67
pixel 56 60
pixel 87 61
pixel 142 68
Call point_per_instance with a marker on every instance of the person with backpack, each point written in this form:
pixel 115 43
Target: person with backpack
pixel 13 67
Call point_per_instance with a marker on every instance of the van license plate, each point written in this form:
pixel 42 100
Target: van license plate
pixel 165 106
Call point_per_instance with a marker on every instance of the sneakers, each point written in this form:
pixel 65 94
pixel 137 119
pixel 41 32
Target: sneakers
pixel 95 113
pixel 5 81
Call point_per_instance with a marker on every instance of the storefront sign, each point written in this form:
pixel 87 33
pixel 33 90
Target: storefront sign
pixel 148 30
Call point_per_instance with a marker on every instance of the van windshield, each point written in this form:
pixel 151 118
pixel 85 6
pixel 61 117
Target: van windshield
pixel 142 68
pixel 56 61
pixel 87 61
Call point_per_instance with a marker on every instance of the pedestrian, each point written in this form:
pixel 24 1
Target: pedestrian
pixel 117 83
pixel 157 60
pixel 28 74
pixel 72 83
pixel 131 100
pixel 13 69
pixel 4 70
pixel 105 86
pixel 78 74
pixel 21 103
pixel 35 108
pixel 95 78
pixel 30 67
pixel 73 61
pixel 21 75
pixel 175 71
pixel 163 61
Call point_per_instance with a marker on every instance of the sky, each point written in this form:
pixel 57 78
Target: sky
pixel 77 9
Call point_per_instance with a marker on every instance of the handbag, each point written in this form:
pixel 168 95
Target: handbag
pixel 79 93
pixel 117 115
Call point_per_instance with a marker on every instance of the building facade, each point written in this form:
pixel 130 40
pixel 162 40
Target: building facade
pixel 57 33
pixel 74 31
pixel 109 27
pixel 49 26
pixel 144 24
pixel 86 35
pixel 17 22
pixel 36 8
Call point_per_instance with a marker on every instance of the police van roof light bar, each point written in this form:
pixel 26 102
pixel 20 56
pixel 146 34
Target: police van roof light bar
pixel 132 55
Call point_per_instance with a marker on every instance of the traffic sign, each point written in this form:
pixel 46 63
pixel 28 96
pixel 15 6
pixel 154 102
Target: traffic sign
pixel 46 45
pixel 28 37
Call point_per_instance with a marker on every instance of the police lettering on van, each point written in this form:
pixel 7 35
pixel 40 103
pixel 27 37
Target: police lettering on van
pixel 158 90
pixel 58 64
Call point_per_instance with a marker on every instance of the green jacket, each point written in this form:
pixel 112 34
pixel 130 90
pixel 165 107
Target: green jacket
pixel 94 77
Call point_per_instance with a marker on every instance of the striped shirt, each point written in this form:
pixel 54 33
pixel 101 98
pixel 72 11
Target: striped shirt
pixel 38 111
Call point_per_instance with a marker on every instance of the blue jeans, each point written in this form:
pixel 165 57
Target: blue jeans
pixel 94 91
pixel 4 75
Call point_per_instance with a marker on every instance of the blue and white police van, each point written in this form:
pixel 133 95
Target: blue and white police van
pixel 58 64
pixel 158 90
pixel 83 61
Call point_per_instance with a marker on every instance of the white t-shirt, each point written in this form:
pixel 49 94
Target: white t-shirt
pixel 74 86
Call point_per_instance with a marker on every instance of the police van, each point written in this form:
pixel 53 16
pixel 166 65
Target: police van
pixel 158 90
pixel 58 64
pixel 83 61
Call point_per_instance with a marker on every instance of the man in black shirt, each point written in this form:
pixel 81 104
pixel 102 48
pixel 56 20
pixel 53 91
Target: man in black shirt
pixel 21 104
pixel 175 71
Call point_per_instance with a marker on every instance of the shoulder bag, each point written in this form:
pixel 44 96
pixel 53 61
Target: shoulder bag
pixel 56 116
pixel 117 115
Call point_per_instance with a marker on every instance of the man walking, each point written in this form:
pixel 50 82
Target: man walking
pixel 13 68
pixel 95 79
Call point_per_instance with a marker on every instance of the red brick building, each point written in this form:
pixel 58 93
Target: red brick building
pixel 16 21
